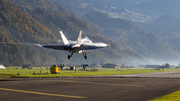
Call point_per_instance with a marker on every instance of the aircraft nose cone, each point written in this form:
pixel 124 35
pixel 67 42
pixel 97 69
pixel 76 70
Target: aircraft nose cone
pixel 104 45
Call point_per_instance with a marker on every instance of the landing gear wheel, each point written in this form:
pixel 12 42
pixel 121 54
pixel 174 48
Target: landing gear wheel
pixel 68 57
pixel 85 56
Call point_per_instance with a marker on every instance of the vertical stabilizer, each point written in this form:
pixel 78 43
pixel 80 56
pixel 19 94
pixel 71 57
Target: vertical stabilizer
pixel 64 38
pixel 79 37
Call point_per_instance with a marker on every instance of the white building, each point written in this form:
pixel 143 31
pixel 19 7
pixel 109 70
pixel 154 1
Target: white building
pixel 2 67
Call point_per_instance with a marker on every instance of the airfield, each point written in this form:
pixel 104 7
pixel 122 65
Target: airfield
pixel 128 87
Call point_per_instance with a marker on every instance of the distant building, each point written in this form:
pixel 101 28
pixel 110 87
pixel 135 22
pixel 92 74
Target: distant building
pixel 142 66
pixel 2 67
pixel 177 67
pixel 152 66
pixel 161 67
pixel 129 67
pixel 166 67
pixel 26 66
pixel 173 66
pixel 109 65
pixel 95 65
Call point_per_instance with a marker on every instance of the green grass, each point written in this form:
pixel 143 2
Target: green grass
pixel 46 72
pixel 175 96
pixel 3 77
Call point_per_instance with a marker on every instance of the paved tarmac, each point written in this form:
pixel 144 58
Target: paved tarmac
pixel 168 74
pixel 87 89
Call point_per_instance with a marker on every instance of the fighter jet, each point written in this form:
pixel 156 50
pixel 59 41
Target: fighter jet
pixel 80 46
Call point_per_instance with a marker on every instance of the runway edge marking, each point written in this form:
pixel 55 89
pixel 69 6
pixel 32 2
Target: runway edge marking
pixel 100 83
pixel 40 93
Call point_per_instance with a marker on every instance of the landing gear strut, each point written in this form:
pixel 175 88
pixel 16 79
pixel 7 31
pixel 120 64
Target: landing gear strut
pixel 85 55
pixel 69 56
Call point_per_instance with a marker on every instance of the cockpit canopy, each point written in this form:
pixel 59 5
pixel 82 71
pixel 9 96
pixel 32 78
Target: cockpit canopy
pixel 84 37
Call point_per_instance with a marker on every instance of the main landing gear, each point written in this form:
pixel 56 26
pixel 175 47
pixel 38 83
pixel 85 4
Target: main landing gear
pixel 84 54
pixel 69 56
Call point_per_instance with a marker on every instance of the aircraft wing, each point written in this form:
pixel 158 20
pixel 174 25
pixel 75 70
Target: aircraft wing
pixel 85 46
pixel 55 46
pixel 89 46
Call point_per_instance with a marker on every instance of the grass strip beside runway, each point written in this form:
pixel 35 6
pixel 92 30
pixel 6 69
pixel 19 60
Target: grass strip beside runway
pixel 175 96
pixel 44 72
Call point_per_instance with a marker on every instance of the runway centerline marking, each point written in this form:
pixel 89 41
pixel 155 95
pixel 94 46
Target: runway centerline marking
pixel 99 83
pixel 40 93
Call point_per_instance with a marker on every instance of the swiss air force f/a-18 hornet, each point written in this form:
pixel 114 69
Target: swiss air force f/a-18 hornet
pixel 78 46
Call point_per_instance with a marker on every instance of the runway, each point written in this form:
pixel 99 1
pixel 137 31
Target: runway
pixel 88 89
pixel 163 75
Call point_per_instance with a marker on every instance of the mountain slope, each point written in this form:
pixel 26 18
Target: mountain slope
pixel 149 45
pixel 158 8
pixel 17 26
pixel 115 8
pixel 166 23
pixel 57 21
pixel 107 22
pixel 130 44
pixel 71 27
pixel 30 5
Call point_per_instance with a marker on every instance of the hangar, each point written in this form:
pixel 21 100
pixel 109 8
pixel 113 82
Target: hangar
pixel 109 65
pixel 152 66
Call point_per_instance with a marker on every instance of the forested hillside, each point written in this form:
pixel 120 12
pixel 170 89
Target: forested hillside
pixel 17 26
pixel 42 26
pixel 29 6
pixel 39 21
pixel 148 44
pixel 71 27
pixel 115 8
